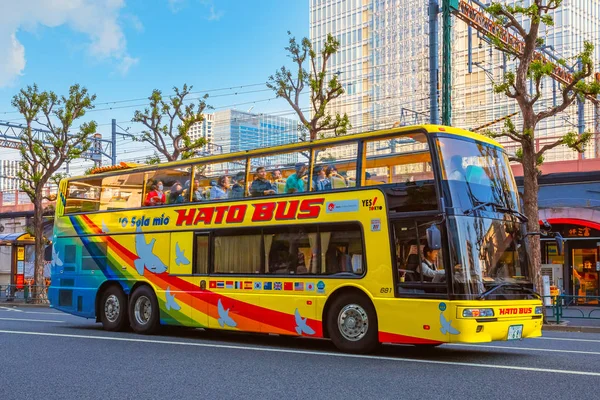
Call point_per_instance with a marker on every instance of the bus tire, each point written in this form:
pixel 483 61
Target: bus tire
pixel 113 309
pixel 352 324
pixel 143 311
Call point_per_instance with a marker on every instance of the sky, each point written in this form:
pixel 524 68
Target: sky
pixel 121 50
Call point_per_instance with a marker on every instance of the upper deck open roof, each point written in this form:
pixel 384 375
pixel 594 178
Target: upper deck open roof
pixel 316 143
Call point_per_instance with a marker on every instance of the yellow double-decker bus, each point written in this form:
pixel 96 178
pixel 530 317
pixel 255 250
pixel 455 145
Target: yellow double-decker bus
pixel 408 235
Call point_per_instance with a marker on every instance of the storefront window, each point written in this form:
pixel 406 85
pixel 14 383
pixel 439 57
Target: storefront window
pixel 585 276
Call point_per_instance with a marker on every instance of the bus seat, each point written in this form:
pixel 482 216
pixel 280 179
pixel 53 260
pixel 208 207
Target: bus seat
pixel 280 186
pixel 412 263
pixel 338 182
pixel 351 182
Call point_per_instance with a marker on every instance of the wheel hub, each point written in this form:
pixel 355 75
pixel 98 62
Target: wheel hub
pixel 143 310
pixel 353 322
pixel 112 308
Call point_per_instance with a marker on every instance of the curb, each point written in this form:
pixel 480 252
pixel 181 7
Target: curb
pixel 567 328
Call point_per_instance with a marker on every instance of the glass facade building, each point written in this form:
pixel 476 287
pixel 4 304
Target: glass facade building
pixel 383 64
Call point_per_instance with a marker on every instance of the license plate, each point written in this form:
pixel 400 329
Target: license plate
pixel 515 332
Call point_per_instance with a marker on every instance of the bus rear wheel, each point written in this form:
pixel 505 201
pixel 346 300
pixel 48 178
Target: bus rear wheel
pixel 352 324
pixel 143 311
pixel 113 312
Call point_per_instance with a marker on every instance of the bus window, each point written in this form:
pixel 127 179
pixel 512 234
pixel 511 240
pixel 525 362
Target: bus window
pixel 240 254
pixel 220 181
pixel 342 251
pixel 291 250
pixel 83 196
pixel 285 173
pixel 122 191
pixel 201 266
pixel 401 159
pixel 416 263
pixel 167 186
pixel 335 167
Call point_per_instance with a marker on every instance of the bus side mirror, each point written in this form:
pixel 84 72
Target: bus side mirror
pixel 434 237
pixel 559 243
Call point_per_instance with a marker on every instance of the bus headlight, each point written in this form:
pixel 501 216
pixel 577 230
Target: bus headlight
pixel 539 310
pixel 478 312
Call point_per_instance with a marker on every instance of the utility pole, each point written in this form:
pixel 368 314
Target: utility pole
pixel 113 158
pixel 447 7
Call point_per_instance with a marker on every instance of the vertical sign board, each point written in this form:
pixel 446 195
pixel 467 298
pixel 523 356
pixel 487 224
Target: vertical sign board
pixel 20 267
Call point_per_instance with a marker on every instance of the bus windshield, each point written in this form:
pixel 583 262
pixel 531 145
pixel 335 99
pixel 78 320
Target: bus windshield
pixel 485 252
pixel 476 173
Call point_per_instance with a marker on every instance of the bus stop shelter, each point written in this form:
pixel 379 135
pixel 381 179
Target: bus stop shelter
pixel 17 257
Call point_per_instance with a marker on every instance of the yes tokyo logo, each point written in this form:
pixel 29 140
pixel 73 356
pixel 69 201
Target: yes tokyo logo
pixel 371 204
pixel 330 207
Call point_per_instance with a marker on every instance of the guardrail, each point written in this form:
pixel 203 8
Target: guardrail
pixel 573 307
pixel 24 294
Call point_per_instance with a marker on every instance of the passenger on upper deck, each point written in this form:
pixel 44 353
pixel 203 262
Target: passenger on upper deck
pixel 221 190
pixel 294 182
pixel 276 177
pixel 320 181
pixel 238 190
pixel 176 195
pixel 155 196
pixel 197 194
pixel 261 186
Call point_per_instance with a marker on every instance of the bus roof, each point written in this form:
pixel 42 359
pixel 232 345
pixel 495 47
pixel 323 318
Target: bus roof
pixel 327 141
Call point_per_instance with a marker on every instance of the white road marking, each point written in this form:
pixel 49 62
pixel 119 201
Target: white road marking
pixel 44 313
pixel 569 339
pixel 31 320
pixel 10 309
pixel 522 348
pixel 306 352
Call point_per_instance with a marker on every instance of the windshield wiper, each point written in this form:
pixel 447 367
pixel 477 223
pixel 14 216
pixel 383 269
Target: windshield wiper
pixel 510 286
pixel 498 207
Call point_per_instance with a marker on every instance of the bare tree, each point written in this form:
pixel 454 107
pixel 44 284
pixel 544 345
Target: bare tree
pixel 324 87
pixel 168 122
pixel 42 155
pixel 515 85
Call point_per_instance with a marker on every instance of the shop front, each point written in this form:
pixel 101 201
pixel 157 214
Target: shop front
pixel 577 271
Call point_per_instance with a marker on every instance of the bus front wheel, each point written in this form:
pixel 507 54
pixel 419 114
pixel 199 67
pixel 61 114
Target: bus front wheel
pixel 143 310
pixel 113 313
pixel 352 324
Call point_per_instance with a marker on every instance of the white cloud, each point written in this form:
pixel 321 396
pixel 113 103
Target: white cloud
pixel 14 59
pixel 96 19
pixel 135 22
pixel 215 15
pixel 126 63
pixel 176 5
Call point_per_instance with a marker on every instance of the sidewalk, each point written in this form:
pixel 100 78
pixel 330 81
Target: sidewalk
pixel 574 319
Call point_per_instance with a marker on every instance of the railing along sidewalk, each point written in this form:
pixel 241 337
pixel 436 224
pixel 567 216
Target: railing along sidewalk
pixel 576 307
pixel 24 294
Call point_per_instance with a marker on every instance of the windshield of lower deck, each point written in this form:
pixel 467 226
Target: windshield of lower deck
pixel 485 252
pixel 476 173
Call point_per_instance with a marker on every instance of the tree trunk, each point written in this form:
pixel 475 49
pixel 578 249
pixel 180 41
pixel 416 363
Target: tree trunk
pixel 38 294
pixel 530 197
